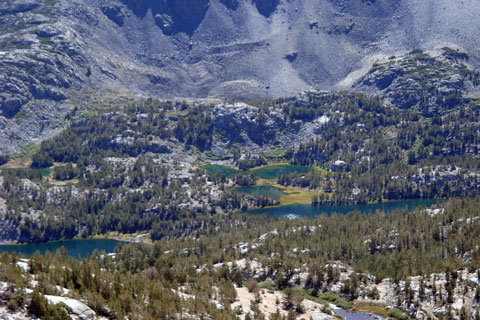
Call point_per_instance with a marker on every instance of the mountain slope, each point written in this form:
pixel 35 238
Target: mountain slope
pixel 56 53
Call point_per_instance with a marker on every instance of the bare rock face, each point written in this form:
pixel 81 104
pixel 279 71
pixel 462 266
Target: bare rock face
pixel 38 74
pixel 41 63
pixel 42 60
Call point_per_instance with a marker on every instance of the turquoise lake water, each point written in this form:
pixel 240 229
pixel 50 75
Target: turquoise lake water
pixel 302 210
pixel 83 248
pixel 74 248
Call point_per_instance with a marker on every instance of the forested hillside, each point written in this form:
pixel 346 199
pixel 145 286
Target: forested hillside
pixel 169 168
pixel 423 262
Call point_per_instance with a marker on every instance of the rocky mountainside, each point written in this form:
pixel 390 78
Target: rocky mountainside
pixel 430 83
pixel 55 54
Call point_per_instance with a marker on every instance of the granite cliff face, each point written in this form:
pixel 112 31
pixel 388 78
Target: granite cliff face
pixel 57 54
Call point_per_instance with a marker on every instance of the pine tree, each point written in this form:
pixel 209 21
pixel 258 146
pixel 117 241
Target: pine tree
pixel 276 316
pixel 291 315
pixel 237 278
pixel 463 314
pixel 37 305
pixel 421 292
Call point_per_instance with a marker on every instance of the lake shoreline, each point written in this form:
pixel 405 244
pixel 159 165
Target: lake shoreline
pixel 74 247
pixel 297 210
pixel 134 238
pixel 310 211
pixel 347 204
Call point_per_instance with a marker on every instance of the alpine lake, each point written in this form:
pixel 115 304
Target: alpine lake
pixel 75 248
pixel 302 210
pixel 84 247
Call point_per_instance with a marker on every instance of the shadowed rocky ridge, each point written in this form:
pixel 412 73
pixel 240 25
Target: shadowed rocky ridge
pixel 172 16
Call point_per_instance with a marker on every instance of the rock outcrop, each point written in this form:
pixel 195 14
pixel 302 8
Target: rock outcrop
pixel 253 129
pixel 78 308
pixel 41 63
pixel 241 121
pixel 429 83
pixel 115 13
pixel 172 16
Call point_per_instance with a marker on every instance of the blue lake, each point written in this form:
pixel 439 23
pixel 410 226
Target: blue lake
pixel 85 247
pixel 74 248
pixel 303 210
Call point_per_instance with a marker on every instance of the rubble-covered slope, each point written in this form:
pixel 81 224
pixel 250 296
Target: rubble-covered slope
pixel 57 53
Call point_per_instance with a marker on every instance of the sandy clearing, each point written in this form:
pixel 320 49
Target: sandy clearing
pixel 269 305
